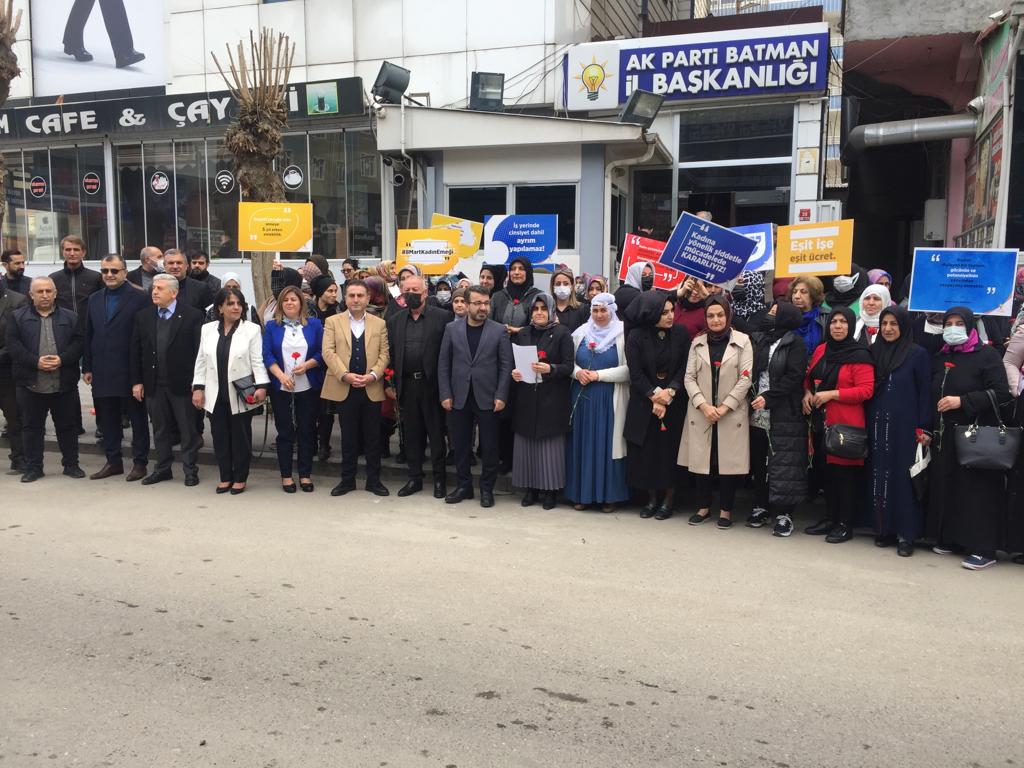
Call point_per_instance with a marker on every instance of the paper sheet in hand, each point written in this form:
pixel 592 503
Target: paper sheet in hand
pixel 525 357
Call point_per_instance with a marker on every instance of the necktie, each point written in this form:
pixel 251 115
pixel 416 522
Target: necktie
pixel 165 314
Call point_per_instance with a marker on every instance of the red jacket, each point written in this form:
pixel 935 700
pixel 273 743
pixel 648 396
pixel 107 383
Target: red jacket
pixel 692 320
pixel 856 385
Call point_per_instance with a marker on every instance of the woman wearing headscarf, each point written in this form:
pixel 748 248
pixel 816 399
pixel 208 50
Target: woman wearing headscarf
pixel 596 284
pixel 510 305
pixel 595 471
pixel 492 277
pixel 231 280
pixel 840 379
pixel 386 272
pixel 656 352
pixel 380 297
pixel 716 435
pixel 846 289
pixel 873 300
pixel 806 294
pixel 880 277
pixel 569 310
pixel 965 506
pixel 748 295
pixel 778 428
pixel 899 417
pixel 279 279
pixel 541 418
pixel 443 293
pixel 639 278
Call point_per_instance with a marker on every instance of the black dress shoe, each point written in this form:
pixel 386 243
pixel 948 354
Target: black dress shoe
pixel 486 499
pixel 839 534
pixel 529 499
pixel 459 494
pixel 109 470
pixel 550 500
pixel 191 480
pixel 79 53
pixel 664 512
pixel 649 510
pixel 819 529
pixel 157 477
pixel 342 488
pixel 31 476
pixel 289 488
pixel 378 489
pixel 411 487
pixel 904 548
pixel 126 60
pixel 74 471
pixel 439 489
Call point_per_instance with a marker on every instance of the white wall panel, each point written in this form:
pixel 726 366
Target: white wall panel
pixel 443 76
pixel 196 84
pixel 208 4
pixel 288 19
pixel 329 32
pixel 534 165
pixel 186 52
pixel 181 6
pixel 378 29
pixel 227 26
pixel 331 72
pixel 21 88
pixel 491 25
pixel 438 26
pixel 523 68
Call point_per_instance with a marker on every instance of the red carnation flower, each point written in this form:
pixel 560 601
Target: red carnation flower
pixel 745 373
pixel 663 427
pixel 592 346
pixel 950 365
pixel 872 331
pixel 515 301
pixel 718 363
pixel 250 399
pixel 296 355
pixel 542 355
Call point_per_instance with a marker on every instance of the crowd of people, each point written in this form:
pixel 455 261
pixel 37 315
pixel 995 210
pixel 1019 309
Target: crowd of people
pixel 795 388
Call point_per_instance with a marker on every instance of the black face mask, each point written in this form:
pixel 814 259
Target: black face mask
pixel 769 321
pixel 646 282
pixel 739 293
pixel 581 292
pixel 413 300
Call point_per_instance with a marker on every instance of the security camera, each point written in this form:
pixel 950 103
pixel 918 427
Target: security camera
pixel 999 15
pixel 387 161
pixel 398 179
pixel 976 105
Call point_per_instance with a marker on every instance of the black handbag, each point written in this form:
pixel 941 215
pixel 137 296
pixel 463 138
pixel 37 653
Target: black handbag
pixel 919 473
pixel 846 442
pixel 245 387
pixel 981 447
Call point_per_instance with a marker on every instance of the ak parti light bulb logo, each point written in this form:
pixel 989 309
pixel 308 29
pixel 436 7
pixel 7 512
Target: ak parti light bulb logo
pixel 593 78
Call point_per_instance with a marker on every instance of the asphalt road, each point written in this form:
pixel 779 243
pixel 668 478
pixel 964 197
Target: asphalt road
pixel 168 626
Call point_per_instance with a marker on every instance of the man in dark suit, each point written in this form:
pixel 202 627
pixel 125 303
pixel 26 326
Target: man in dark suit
pixel 151 264
pixel 45 345
pixel 200 263
pixel 109 325
pixel 9 302
pixel 163 358
pixel 414 337
pixel 190 292
pixel 14 276
pixel 115 18
pixel 474 373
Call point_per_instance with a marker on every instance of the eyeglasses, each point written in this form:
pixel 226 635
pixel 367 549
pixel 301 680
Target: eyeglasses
pixel 479 303
pixel 110 270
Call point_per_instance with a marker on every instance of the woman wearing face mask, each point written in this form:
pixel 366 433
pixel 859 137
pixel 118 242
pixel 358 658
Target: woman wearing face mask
pixel 492 277
pixel 846 290
pixel 595 471
pixel 873 300
pixel 778 428
pixel 840 379
pixel 639 278
pixel 442 294
pixel 539 422
pixel 570 311
pixel 899 416
pixel 965 506
pixel 716 436
pixel 510 305
pixel 656 352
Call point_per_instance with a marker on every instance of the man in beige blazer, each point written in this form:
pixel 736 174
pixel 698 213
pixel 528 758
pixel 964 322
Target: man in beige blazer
pixel 355 352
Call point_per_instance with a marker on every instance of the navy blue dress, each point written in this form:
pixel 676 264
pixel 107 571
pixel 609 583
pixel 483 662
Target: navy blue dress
pixel 901 405
pixel 591 475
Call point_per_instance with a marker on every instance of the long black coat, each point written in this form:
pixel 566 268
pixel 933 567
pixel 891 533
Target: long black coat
pixel 542 410
pixel 640 357
pixel 436 320
pixel 108 344
pixel 182 349
pixel 23 331
pixel 787 456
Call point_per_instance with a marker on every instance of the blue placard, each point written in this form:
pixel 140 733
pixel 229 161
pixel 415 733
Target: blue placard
pixel 707 251
pixel 752 67
pixel 763 257
pixel 509 236
pixel 980 279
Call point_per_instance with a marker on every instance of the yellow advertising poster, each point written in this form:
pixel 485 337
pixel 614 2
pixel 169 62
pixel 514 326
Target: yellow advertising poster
pixel 435 251
pixel 275 227
pixel 470 232
pixel 823 248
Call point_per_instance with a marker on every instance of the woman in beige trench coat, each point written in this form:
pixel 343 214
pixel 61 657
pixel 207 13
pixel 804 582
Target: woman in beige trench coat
pixel 716 436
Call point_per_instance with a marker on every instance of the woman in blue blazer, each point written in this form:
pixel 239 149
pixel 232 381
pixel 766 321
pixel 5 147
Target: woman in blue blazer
pixel 292 346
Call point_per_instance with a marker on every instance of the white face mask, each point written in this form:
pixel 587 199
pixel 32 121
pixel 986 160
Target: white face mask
pixel 562 292
pixel 444 296
pixel 845 283
pixel 955 335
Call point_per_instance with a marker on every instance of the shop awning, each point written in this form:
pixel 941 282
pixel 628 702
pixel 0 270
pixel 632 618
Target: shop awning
pixel 429 130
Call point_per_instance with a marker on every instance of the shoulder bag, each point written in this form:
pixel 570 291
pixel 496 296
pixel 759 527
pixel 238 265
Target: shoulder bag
pixel 846 442
pixel 981 447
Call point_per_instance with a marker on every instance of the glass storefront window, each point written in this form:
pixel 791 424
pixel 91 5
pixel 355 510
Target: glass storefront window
pixel 731 133
pixel 559 199
pixel 737 195
pixel 40 220
pixel 362 180
pixel 190 193
pixel 93 201
pixel 476 203
pixel 14 232
pixel 224 196
pixel 328 192
pixel 652 202
pixel 131 201
pixel 158 178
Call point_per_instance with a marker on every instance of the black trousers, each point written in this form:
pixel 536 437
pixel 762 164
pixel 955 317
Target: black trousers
pixel 759 466
pixel 9 407
pixel 108 421
pixel 359 418
pixel 727 485
pixel 295 418
pixel 232 442
pixel 63 408
pixel 461 423
pixel 422 420
pixel 324 424
pixel 114 18
pixel 842 491
pixel 172 414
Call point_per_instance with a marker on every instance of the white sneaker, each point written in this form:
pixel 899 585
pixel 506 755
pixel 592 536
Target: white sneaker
pixel 783 526
pixel 940 550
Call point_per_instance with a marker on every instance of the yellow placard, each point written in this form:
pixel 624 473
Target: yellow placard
pixel 434 251
pixel 275 227
pixel 824 248
pixel 470 232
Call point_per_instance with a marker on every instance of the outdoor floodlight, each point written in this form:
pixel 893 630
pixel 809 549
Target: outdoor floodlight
pixel 487 91
pixel 391 82
pixel 641 109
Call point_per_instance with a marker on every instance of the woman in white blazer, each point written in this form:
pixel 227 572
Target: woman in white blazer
pixel 230 357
